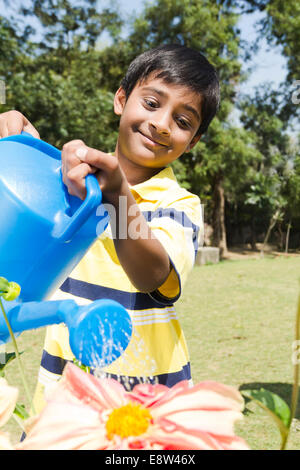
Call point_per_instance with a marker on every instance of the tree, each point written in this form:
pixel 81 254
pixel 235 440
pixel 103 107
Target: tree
pixel 262 115
pixel 68 26
pixel 12 51
pixel 281 26
pixel 58 85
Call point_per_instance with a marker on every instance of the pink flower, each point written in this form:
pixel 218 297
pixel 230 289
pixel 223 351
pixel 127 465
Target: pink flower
pixel 8 400
pixel 85 412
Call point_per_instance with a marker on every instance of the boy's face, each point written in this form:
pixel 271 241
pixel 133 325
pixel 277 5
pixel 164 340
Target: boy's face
pixel 158 122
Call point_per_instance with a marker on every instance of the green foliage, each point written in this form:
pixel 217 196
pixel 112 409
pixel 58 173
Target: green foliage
pixel 269 191
pixel 272 403
pixel 66 106
pixel 20 411
pixel 275 407
pixel 68 26
pixel 281 26
pixel 81 366
pixel 6 358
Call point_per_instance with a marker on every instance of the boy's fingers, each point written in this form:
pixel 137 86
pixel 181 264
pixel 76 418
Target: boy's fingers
pixel 75 179
pixel 73 144
pixel 73 154
pixel 3 131
pixel 31 130
pixel 68 158
pixel 97 159
pixel 13 123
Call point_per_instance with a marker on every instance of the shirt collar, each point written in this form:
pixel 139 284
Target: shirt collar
pixel 151 189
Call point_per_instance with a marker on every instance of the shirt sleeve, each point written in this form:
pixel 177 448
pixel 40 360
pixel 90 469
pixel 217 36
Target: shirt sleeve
pixel 179 228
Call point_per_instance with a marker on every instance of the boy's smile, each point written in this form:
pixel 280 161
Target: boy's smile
pixel 159 122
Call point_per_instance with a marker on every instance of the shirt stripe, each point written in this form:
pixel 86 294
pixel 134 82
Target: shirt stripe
pixel 179 217
pixel 130 300
pixel 55 365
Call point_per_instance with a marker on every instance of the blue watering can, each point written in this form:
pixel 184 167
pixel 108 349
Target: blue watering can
pixel 44 233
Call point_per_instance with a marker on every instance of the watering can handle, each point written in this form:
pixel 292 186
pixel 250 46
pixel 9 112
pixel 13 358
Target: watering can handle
pixel 93 199
pixel 66 230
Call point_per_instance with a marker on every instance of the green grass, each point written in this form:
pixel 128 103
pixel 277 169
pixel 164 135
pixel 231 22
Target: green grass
pixel 239 319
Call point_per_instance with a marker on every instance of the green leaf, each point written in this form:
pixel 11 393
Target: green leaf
pixel 20 411
pixel 274 405
pixel 81 366
pixel 8 357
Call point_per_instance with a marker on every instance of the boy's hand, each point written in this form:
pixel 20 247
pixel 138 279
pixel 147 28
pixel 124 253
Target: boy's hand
pixel 13 122
pixel 78 161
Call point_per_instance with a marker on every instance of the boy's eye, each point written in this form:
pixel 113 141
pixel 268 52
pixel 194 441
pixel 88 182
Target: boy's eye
pixel 183 123
pixel 150 103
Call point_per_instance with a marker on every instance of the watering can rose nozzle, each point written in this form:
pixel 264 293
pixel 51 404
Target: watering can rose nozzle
pixel 99 332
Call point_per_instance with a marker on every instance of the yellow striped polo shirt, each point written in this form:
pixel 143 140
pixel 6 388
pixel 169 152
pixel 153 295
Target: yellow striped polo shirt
pixel 157 352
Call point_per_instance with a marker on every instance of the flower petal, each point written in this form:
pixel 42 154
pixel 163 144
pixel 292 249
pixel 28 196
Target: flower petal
pixel 201 417
pixel 178 439
pixel 73 417
pixel 147 394
pixel 232 443
pixel 219 422
pixel 5 443
pixel 104 393
pixel 64 426
pixel 205 395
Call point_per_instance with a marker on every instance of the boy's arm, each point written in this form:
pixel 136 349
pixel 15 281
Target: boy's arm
pixel 140 253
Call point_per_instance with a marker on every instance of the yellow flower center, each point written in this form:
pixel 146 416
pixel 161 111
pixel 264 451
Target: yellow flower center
pixel 128 420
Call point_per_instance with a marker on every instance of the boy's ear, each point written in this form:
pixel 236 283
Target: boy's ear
pixel 193 142
pixel 119 101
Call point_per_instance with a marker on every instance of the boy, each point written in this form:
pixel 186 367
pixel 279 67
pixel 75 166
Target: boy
pixel 166 101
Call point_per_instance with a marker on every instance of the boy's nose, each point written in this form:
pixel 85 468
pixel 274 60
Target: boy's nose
pixel 161 125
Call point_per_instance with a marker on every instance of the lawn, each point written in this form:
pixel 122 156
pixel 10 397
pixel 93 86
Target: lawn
pixel 238 318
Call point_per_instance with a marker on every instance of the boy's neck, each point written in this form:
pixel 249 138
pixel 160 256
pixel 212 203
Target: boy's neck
pixel 134 173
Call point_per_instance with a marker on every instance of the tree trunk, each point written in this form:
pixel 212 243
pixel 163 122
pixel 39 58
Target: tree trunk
pixel 253 233
pixel 219 230
pixel 287 239
pixel 271 226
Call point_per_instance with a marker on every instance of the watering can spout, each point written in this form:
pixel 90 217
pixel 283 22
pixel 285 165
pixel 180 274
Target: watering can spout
pixel 99 332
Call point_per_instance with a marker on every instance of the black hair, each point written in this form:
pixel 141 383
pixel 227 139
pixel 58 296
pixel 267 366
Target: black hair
pixel 179 65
